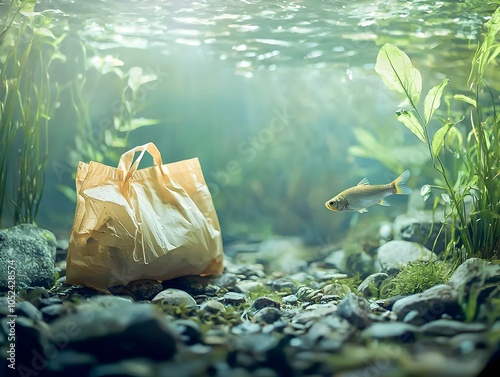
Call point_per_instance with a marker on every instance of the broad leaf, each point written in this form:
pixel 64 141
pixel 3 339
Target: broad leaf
pixel 470 101
pixel 433 100
pixel 412 123
pixel 438 140
pixel 446 198
pixel 395 68
pixel 137 123
pixel 136 78
pixel 425 192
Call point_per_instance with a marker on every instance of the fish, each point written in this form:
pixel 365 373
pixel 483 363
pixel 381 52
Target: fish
pixel 364 195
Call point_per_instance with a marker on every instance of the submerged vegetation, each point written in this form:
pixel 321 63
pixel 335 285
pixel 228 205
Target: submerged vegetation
pixel 416 277
pixel 28 99
pixel 465 151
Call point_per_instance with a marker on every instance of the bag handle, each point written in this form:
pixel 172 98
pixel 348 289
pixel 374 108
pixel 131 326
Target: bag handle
pixel 126 159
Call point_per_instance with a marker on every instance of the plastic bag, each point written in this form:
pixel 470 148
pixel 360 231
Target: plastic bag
pixel 153 223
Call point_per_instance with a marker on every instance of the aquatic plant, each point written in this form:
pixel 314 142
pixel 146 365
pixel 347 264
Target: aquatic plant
pixel 477 152
pixel 416 277
pixel 28 100
pixel 105 140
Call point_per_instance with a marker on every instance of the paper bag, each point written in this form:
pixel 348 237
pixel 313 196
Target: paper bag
pixel 153 223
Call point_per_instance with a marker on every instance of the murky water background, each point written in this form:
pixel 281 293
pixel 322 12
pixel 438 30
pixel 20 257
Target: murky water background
pixel 270 95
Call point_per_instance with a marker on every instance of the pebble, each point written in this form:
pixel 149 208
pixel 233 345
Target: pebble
pixel 446 327
pixel 233 298
pixel 394 255
pixel 264 302
pixel 355 309
pixel 430 304
pixel 174 297
pixel 290 299
pixel 212 307
pixel 267 315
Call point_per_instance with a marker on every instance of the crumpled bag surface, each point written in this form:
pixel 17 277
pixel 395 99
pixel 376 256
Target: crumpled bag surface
pixel 153 223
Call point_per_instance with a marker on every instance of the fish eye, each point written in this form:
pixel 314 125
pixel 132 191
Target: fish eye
pixel 331 202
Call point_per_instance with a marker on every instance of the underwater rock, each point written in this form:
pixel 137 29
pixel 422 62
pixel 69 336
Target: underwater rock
pixel 394 255
pixel 447 327
pixel 227 280
pixel 421 227
pixel 336 259
pixel 175 297
pixel 371 285
pixel 31 251
pixel 267 315
pixel 430 304
pixel 71 363
pixel 124 330
pixel 313 313
pixel 28 310
pixel 233 298
pixel 212 307
pixel 144 289
pixel 187 330
pixel 194 285
pixel 52 312
pixel 355 309
pixel 475 271
pixel 290 299
pixel 265 302
pixel 399 331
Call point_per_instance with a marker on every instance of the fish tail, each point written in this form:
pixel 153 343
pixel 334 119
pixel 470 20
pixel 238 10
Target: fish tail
pixel 399 184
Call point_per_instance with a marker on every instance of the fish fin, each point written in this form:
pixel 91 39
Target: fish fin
pixel 384 203
pixel 363 182
pixel 362 210
pixel 399 184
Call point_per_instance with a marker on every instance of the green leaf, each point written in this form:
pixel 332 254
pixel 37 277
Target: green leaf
pixel 446 198
pixel 433 100
pixel 425 192
pixel 395 68
pixel 137 123
pixel 461 97
pixel 44 32
pixel 438 139
pixel 412 123
pixel 136 78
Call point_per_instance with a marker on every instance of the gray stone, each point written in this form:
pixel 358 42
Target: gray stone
pixel 52 312
pixel 355 309
pixel 123 330
pixel 28 310
pixel 402 332
pixel 337 259
pixel 447 327
pixel 394 255
pixel 264 302
pixel 144 289
pixel 475 270
pixel 31 252
pixel 290 299
pixel 227 280
pixel 430 304
pixel 371 285
pixel 313 313
pixel 212 307
pixel 175 297
pixel 233 298
pixel 421 227
pixel 267 315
